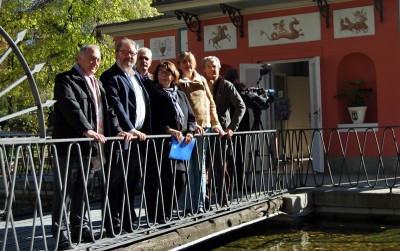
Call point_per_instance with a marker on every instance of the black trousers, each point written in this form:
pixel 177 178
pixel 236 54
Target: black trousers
pixel 120 193
pixel 76 178
pixel 219 172
pixel 238 167
pixel 160 182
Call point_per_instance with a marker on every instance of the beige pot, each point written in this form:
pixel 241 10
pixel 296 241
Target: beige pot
pixel 357 114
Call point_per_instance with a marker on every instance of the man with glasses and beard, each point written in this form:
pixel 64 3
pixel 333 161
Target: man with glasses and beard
pixel 127 95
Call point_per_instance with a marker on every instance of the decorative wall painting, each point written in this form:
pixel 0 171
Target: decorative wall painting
pixel 139 43
pixel 163 47
pixel 220 37
pixel 285 30
pixel 354 22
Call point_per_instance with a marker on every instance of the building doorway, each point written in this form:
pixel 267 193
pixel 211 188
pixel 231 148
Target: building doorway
pixel 297 82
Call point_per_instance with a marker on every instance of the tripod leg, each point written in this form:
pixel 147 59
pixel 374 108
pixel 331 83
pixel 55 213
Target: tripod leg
pixel 257 124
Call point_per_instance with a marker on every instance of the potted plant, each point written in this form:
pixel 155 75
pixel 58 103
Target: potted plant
pixel 358 97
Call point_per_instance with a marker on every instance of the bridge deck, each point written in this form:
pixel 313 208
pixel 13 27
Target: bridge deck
pixel 23 225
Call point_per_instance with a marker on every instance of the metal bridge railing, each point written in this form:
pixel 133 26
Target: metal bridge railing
pixel 345 157
pixel 261 165
pixel 31 169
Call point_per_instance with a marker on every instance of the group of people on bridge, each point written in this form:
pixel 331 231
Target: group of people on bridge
pixel 128 101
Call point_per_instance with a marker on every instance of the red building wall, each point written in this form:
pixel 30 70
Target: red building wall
pixel 382 49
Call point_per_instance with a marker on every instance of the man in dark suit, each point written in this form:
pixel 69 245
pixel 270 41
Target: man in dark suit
pixel 127 95
pixel 81 110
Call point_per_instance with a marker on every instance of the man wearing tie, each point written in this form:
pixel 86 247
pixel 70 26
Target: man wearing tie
pixel 127 95
pixel 81 110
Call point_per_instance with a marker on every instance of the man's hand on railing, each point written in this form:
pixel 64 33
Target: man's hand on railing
pixel 127 136
pixel 141 136
pixel 229 133
pixel 97 136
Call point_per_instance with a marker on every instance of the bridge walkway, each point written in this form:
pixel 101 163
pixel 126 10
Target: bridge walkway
pixel 180 230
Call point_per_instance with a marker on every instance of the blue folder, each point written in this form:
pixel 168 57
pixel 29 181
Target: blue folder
pixel 181 151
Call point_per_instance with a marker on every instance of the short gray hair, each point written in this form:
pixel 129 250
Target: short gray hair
pixel 145 49
pixel 86 47
pixel 212 59
pixel 125 41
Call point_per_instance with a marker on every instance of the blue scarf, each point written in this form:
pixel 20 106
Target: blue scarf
pixel 172 95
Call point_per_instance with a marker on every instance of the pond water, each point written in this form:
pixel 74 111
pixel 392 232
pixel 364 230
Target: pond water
pixel 321 236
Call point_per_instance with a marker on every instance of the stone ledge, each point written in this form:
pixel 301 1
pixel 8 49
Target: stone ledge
pixel 358 210
pixel 296 203
pixel 211 227
pixel 350 199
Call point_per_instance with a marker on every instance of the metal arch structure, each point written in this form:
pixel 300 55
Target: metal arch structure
pixel 28 75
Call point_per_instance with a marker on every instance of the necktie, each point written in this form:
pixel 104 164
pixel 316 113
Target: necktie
pixel 94 84
pixel 94 92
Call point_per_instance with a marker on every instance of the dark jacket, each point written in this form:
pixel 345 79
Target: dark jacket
pixel 121 97
pixel 148 82
pixel 163 113
pixel 225 95
pixel 163 116
pixel 74 111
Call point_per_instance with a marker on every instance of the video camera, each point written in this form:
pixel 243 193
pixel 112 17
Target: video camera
pixel 265 70
pixel 257 98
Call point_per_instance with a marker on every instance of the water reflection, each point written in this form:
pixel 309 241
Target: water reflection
pixel 322 236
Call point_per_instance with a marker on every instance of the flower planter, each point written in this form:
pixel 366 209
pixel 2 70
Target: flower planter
pixel 357 114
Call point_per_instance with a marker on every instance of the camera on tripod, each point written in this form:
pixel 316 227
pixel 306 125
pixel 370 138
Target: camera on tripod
pixel 257 98
pixel 265 70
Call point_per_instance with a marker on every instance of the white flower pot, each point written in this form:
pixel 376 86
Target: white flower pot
pixel 357 114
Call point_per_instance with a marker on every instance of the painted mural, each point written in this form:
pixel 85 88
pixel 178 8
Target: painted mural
pixel 163 47
pixel 285 30
pixel 139 43
pixel 220 37
pixel 354 22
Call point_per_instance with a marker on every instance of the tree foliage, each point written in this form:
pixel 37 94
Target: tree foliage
pixel 56 29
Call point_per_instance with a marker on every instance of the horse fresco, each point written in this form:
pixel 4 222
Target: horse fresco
pixel 219 35
pixel 283 33
pixel 357 25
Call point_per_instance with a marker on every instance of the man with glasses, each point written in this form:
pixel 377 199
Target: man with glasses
pixel 127 95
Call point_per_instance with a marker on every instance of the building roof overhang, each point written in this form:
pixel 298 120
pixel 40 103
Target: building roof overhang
pixel 202 9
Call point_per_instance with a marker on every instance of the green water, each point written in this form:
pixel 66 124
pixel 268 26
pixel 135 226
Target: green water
pixel 327 236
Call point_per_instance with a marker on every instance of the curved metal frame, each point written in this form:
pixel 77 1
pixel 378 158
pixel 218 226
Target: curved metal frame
pixel 235 16
pixel 32 82
pixel 323 7
pixel 192 22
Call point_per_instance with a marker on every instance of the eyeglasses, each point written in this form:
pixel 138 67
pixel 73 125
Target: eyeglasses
pixel 130 53
pixel 165 73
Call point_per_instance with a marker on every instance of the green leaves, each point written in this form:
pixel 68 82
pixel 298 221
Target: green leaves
pixel 356 95
pixel 56 29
